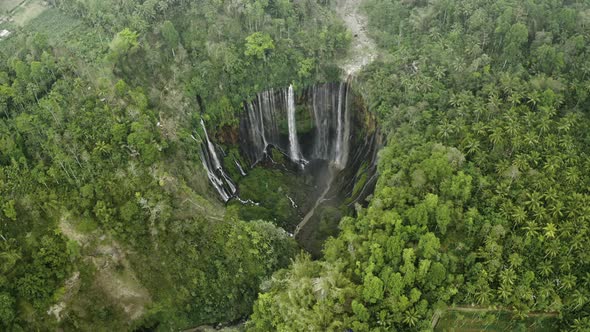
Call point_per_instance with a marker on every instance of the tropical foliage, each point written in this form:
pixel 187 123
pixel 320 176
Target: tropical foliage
pixel 483 191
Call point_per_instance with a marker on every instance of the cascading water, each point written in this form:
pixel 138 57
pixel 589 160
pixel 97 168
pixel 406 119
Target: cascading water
pixel 330 114
pixel 215 172
pixel 242 172
pixel 294 151
pixel 260 123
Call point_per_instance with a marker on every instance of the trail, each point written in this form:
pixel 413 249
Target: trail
pixel 363 50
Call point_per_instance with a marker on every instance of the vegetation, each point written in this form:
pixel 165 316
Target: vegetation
pixel 479 216
pixel 106 217
pixel 482 197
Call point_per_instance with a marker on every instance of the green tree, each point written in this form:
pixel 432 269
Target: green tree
pixel 6 310
pixel 123 43
pixel 258 45
pixel 170 34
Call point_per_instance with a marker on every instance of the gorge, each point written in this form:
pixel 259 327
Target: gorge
pixel 323 134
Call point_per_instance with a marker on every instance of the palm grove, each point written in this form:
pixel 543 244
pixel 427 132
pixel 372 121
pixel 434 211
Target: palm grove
pixel 482 195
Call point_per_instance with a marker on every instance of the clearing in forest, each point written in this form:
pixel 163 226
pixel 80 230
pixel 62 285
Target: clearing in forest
pixel 27 11
pixel 115 276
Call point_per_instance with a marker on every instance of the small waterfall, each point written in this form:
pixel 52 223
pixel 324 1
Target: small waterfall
pixel 215 172
pixel 214 179
pixel 293 205
pixel 211 148
pixel 242 173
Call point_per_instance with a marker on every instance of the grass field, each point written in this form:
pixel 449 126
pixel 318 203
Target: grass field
pixel 8 5
pixel 28 11
pixel 53 23
pixel 454 321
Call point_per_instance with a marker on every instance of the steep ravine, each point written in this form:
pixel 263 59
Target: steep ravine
pixel 318 144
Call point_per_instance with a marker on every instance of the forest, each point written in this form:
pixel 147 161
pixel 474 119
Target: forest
pixel 469 211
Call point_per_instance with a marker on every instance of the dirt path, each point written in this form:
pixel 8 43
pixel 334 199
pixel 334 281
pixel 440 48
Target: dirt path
pixel 363 50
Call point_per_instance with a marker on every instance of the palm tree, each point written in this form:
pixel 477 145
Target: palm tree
pixel 534 97
pixel 411 317
pixel 533 200
pixel 519 215
pixel 497 136
pixel 515 98
pixel 505 293
pixel 445 130
pixel 483 295
pixel 531 139
pixel 472 146
pixel 552 249
pixel 572 176
pixel 581 324
pixel 508 276
pixel 546 289
pixel 568 281
pixel 550 230
pixel 531 229
pixel 545 268
pixel 521 161
pixel 566 263
pixel 556 210
pixel 578 299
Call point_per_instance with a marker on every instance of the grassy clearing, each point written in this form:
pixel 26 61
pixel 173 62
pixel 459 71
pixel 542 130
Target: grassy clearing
pixel 8 5
pixel 27 12
pixel 454 321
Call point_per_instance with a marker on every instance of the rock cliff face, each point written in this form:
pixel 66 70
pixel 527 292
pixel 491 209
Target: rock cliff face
pixel 326 107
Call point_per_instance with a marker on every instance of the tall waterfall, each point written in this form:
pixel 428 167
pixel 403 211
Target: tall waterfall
pixel 344 138
pixel 294 150
pixel 329 109
pixel 215 172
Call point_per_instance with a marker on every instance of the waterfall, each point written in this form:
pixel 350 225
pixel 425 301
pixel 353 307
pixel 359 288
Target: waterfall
pixel 343 137
pixel 329 108
pixel 294 151
pixel 222 183
pixel 211 148
pixel 259 126
pixel 339 133
pixel 242 173
pixel 322 137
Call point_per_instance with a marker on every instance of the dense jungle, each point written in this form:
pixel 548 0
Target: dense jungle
pixel 294 165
